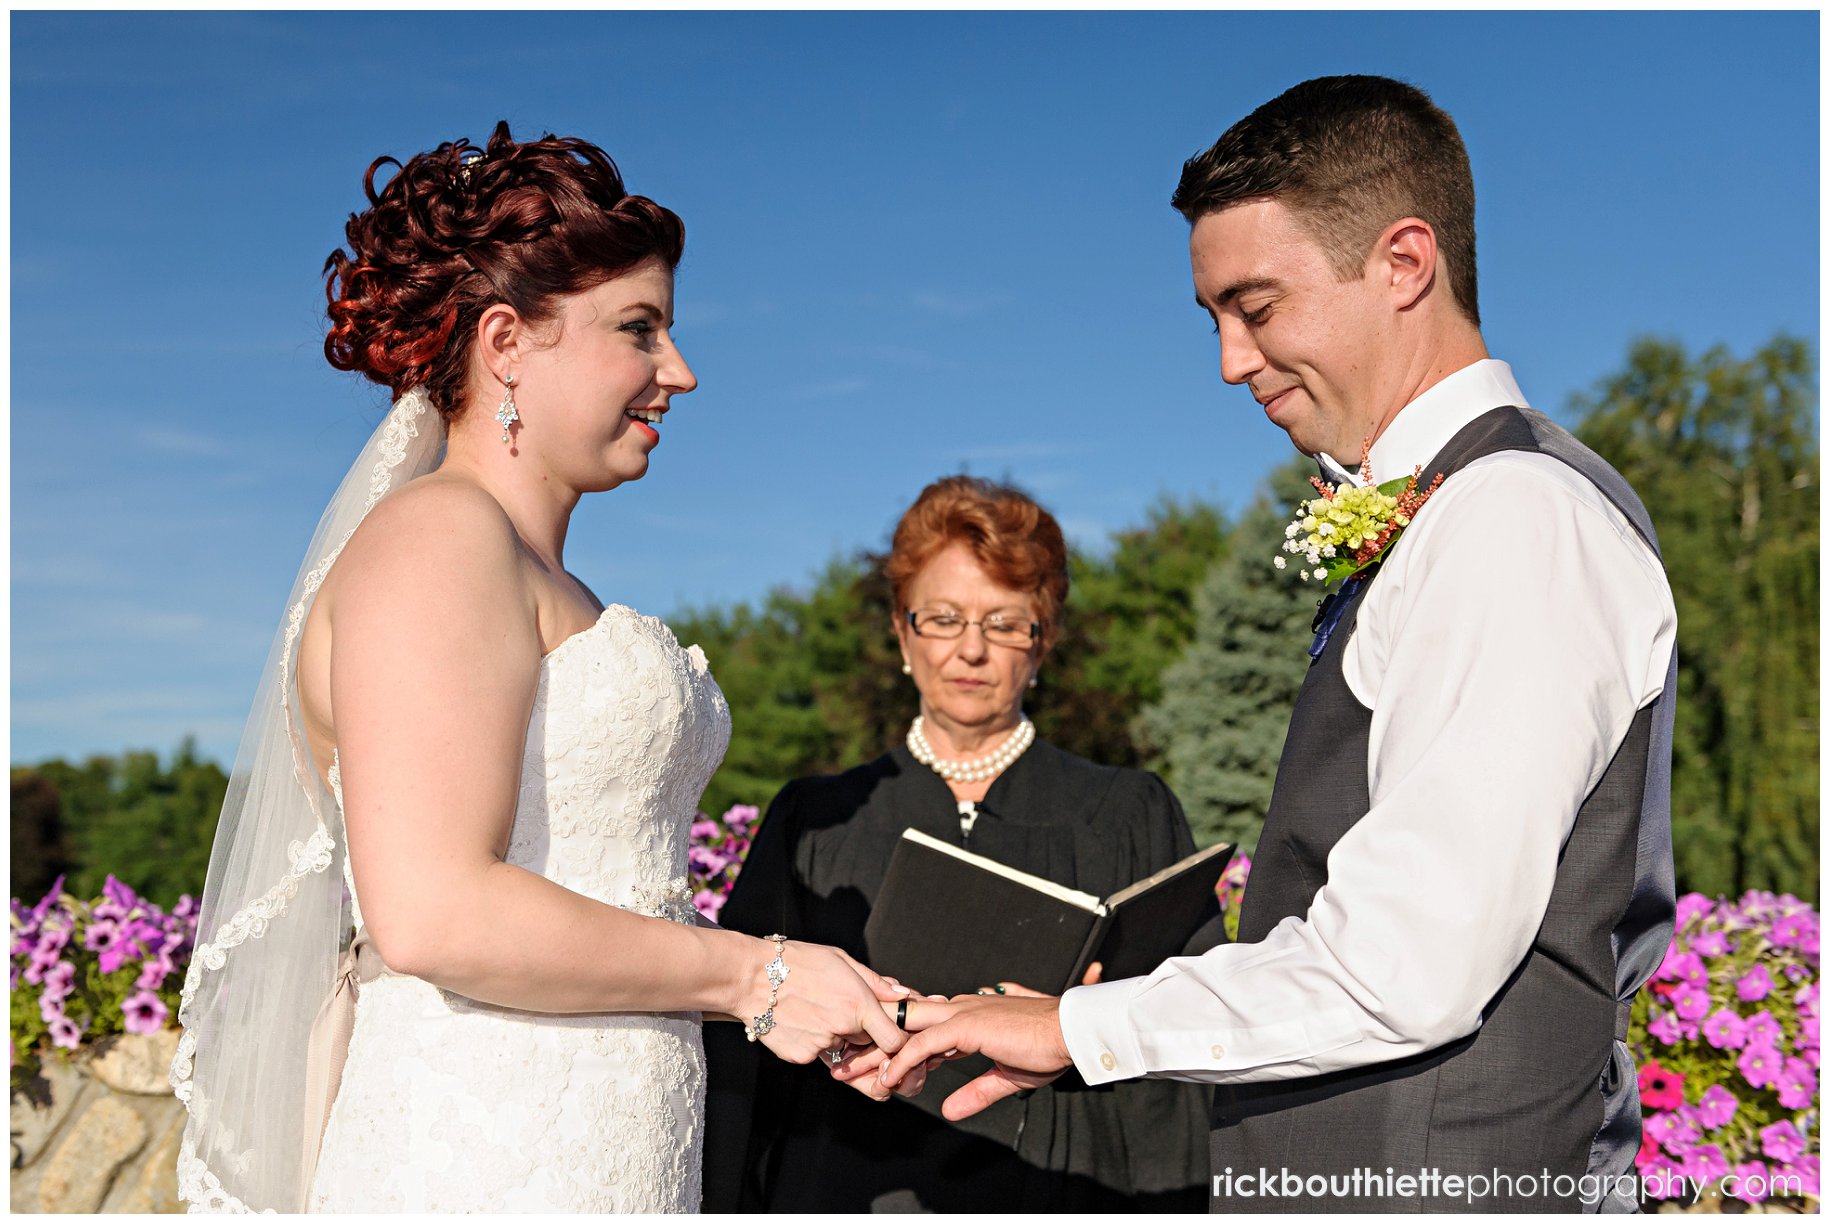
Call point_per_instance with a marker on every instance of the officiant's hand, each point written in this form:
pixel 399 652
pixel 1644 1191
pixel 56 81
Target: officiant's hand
pixel 1018 990
pixel 1021 1036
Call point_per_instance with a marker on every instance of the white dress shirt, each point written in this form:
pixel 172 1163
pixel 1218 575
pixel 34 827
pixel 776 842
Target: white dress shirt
pixel 1511 636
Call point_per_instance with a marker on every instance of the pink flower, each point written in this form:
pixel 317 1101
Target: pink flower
pixel 1666 1028
pixel 1709 943
pixel 1690 1002
pixel 65 1033
pixel 708 904
pixel 1717 1108
pixel 1692 905
pixel 1806 998
pixel 1782 1142
pixel 1660 1088
pixel 1686 967
pixel 1760 1065
pixel 1791 930
pixel 1754 985
pixel 1648 1149
pixel 703 829
pixel 1762 1029
pixel 1725 1030
pixel 1797 1085
pixel 1705 1164
pixel 1751 1182
pixel 741 816
pixel 60 980
pixel 1674 1132
pixel 154 973
pixel 144 1012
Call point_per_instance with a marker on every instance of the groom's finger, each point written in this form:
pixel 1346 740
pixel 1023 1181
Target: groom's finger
pixel 986 1090
pixel 945 1038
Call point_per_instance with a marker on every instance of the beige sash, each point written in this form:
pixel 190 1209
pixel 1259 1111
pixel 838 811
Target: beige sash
pixel 328 1047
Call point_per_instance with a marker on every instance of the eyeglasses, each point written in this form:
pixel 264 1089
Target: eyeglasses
pixel 998 630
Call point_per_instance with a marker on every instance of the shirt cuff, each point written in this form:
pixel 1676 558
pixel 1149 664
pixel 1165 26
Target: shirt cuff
pixel 1096 1025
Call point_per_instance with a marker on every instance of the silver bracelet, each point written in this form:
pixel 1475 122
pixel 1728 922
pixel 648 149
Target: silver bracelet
pixel 778 973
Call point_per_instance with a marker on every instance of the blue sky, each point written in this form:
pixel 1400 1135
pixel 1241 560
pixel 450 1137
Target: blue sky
pixel 915 242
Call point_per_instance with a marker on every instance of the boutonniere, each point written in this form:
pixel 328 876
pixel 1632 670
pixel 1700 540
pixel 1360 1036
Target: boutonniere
pixel 1349 528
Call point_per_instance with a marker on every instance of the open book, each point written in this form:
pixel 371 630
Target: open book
pixel 948 921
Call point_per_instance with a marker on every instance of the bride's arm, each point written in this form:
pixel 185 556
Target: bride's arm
pixel 435 655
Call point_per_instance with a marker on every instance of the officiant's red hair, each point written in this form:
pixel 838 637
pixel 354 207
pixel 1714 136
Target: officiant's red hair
pixel 1017 543
pixel 459 229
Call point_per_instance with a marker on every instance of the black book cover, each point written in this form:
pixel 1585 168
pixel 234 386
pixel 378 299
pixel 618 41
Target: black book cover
pixel 948 921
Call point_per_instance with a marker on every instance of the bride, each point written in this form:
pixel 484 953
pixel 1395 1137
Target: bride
pixel 515 765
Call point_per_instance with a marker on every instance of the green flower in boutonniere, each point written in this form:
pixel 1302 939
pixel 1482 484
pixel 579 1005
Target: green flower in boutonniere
pixel 1350 527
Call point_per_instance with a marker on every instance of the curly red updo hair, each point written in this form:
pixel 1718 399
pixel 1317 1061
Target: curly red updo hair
pixel 459 229
pixel 1016 541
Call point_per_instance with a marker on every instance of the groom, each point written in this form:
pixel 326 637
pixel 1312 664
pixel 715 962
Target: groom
pixel 1465 871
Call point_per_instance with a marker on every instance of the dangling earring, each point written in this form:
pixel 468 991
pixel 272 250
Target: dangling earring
pixel 506 414
pixel 1032 682
pixel 906 669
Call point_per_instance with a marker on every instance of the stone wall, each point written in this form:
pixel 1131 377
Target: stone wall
pixel 105 1136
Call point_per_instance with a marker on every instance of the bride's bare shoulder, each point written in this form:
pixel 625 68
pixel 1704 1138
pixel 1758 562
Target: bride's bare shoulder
pixel 436 541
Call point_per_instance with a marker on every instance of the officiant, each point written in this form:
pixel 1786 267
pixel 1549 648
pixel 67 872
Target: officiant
pixel 979 577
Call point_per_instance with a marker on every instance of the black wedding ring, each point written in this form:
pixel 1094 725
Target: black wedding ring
pixel 902 1014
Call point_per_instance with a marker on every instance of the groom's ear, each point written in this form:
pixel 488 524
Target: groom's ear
pixel 1406 254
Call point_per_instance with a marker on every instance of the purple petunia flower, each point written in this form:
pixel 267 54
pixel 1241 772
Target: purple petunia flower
pixel 50 1008
pixel 60 980
pixel 144 1012
pixel 1688 967
pixel 741 816
pixel 1692 905
pixel 1666 1028
pixel 1797 1084
pixel 1725 1030
pixel 186 909
pixel 703 829
pixel 43 959
pixel 1709 943
pixel 1751 1182
pixel 1754 985
pixel 1716 1108
pixel 65 1033
pixel 1762 1029
pixel 1790 930
pixel 708 904
pixel 1782 1142
pixel 1689 1002
pixel 1674 1132
pixel 1705 1163
pixel 51 898
pixel 1760 1065
pixel 153 974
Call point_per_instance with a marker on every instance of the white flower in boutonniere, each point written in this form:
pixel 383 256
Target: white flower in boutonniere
pixel 1350 527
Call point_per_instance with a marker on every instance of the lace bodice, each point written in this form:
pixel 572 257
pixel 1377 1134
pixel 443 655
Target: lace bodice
pixel 452 1104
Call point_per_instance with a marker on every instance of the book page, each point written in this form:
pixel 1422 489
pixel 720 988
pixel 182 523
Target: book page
pixel 1060 892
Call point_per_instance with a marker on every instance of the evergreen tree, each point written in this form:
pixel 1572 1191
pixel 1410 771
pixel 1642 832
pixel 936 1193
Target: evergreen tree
pixel 1218 728
pixel 1725 452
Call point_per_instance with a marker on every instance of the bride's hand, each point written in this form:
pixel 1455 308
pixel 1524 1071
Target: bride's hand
pixel 827 999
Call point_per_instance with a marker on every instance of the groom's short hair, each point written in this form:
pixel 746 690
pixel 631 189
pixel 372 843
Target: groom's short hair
pixel 1348 155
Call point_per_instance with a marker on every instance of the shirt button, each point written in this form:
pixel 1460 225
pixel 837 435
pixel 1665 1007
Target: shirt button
pixel 1219 1051
pixel 1107 1061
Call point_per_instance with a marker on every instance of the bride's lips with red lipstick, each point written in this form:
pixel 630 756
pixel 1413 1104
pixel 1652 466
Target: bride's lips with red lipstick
pixel 646 419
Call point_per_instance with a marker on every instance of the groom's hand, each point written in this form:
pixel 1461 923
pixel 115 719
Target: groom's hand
pixel 1021 1036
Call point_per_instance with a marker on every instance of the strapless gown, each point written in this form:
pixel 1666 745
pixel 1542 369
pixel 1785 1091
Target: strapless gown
pixel 448 1104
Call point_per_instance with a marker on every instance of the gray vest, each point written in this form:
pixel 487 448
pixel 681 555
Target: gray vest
pixel 1545 1085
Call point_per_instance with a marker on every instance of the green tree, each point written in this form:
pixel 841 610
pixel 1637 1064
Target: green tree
pixel 1724 451
pixel 40 845
pixel 1218 726
pixel 148 824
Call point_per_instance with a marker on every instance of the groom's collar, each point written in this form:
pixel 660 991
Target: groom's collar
pixel 1424 426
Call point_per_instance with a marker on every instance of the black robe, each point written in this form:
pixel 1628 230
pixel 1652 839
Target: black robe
pixel 781 1137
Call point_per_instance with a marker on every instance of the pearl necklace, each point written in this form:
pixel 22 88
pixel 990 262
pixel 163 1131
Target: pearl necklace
pixel 975 770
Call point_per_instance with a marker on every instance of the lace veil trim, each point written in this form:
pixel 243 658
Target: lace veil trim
pixel 273 912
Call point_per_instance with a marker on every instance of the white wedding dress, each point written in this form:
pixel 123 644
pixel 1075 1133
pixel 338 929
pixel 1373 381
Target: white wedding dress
pixel 448 1104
